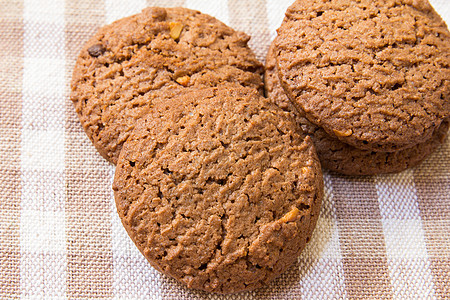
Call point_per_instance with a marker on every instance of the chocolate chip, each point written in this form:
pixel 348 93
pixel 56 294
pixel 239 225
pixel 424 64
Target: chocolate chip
pixel 96 50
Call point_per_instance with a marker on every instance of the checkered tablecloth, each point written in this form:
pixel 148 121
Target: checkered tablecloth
pixel 378 237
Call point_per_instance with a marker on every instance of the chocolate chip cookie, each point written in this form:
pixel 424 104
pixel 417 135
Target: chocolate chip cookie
pixel 218 189
pixel 340 157
pixel 374 73
pixel 158 53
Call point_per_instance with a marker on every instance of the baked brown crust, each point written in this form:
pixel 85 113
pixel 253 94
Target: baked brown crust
pixel 340 157
pixel 374 73
pixel 158 53
pixel 218 189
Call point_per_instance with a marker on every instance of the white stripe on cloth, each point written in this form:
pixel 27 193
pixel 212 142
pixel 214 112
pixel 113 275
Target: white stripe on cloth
pixel 443 8
pixel 275 14
pixel 116 9
pixel 404 236
pixel 217 9
pixel 42 225
pixel 321 261
pixel 133 277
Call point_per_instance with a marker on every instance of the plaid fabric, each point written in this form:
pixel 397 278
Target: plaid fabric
pixel 378 237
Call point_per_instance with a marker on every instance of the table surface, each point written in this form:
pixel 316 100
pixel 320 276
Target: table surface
pixel 385 236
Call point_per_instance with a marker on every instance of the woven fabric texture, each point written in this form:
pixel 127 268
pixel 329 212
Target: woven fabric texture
pixel 378 237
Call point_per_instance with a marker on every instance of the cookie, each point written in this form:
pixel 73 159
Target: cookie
pixel 340 157
pixel 158 53
pixel 218 189
pixel 374 73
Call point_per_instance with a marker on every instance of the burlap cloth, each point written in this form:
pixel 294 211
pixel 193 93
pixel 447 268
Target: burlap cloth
pixel 377 237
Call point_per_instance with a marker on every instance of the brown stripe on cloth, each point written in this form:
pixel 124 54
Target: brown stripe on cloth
pixel 432 182
pixel 165 3
pixel 361 238
pixel 251 18
pixel 88 206
pixel 11 75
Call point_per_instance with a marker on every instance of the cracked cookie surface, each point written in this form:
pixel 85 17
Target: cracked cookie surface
pixel 218 189
pixel 158 53
pixel 373 73
pixel 341 157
